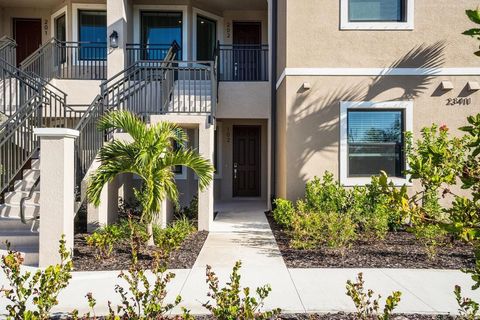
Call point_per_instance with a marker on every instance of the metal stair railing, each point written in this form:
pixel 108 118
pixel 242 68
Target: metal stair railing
pixel 8 50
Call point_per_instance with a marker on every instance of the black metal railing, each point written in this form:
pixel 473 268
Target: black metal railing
pixel 243 62
pixel 148 88
pixel 8 51
pixel 68 60
pixel 88 143
pixel 17 141
pixel 149 52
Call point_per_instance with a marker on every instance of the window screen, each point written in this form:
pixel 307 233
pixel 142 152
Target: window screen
pixel 376 10
pixel 375 142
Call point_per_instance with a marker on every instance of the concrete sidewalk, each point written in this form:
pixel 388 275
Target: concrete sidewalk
pixel 241 232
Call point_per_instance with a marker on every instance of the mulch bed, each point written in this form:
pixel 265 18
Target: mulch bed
pixel 182 258
pixel 397 250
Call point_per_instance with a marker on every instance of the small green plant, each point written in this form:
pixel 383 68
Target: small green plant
pixel 190 211
pixel 368 307
pixel 104 240
pixel 467 308
pixel 172 237
pixel 334 230
pixel 284 212
pixel 43 287
pixel 474 16
pixel 231 304
pixel 431 236
pixel 326 195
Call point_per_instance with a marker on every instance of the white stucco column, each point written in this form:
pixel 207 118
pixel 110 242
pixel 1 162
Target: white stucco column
pixel 206 133
pixel 107 212
pixel 117 17
pixel 57 185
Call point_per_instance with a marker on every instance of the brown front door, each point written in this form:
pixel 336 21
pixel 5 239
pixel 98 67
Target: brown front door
pixel 28 35
pixel 246 161
pixel 247 40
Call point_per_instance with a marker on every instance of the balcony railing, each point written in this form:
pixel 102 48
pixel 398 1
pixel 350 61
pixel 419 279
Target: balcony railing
pixel 149 52
pixel 243 62
pixel 68 60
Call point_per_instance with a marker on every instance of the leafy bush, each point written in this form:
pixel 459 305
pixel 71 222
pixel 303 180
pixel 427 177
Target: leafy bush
pixel 284 212
pixel 104 239
pixel 43 287
pixel 172 236
pixel 333 229
pixel 431 236
pixel 231 302
pixel 325 195
pixel 368 308
pixel 467 308
pixel 190 211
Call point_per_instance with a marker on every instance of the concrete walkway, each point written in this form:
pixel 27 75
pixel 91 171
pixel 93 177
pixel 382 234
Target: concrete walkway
pixel 241 232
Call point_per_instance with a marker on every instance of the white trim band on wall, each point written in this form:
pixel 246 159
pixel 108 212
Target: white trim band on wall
pixel 377 72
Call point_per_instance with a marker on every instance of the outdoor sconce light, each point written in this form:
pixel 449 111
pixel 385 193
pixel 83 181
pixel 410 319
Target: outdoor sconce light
pixel 306 86
pixel 473 86
pixel 446 85
pixel 114 39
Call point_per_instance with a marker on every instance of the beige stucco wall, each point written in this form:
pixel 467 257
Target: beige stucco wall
pixel 34 13
pixel 310 144
pixel 315 40
pixel 79 91
pixel 244 100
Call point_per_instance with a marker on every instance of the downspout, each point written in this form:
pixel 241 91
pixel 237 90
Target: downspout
pixel 273 95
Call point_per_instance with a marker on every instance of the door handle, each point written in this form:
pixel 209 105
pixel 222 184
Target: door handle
pixel 235 165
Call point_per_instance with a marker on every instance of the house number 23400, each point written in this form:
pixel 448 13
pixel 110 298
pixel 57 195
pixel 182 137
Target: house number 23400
pixel 459 101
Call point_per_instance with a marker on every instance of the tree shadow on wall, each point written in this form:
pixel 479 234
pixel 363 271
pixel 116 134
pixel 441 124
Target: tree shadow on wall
pixel 313 125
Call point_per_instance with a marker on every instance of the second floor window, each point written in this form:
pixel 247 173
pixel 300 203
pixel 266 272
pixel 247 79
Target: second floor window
pixel 158 31
pixel 92 35
pixel 377 10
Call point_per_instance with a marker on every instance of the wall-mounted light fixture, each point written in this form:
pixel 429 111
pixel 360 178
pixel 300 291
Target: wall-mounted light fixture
pixel 446 85
pixel 473 86
pixel 114 39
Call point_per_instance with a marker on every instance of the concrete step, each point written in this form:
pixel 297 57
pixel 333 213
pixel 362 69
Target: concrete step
pixel 19 238
pixel 22 185
pixel 31 174
pixel 14 197
pixel 35 164
pixel 30 255
pixel 13 211
pixel 13 224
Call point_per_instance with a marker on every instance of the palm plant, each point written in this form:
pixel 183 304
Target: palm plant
pixel 152 156
pixel 474 16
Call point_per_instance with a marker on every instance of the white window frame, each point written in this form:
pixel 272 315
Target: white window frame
pixel 75 36
pixel 345 106
pixel 58 13
pixel 185 23
pixel 346 24
pixel 219 20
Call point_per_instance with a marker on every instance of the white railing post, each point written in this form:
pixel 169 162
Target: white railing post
pixel 57 187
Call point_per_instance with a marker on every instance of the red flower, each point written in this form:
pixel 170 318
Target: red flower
pixel 444 128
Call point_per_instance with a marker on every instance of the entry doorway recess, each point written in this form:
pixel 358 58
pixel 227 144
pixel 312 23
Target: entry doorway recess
pixel 246 161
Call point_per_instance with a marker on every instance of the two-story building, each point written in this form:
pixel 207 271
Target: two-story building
pixel 272 92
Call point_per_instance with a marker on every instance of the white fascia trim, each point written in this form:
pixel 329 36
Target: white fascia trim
pixel 347 105
pixel 345 24
pixel 469 71
pixel 56 132
pixel 57 14
pixel 159 7
pixel 218 19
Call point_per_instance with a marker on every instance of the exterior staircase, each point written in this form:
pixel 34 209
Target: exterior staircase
pixel 23 238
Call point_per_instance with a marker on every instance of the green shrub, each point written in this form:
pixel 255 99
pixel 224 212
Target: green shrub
pixel 311 230
pixel 190 211
pixel 431 236
pixel 367 306
pixel 468 309
pixel 325 195
pixel 172 236
pixel 284 212
pixel 232 302
pixel 43 287
pixel 104 239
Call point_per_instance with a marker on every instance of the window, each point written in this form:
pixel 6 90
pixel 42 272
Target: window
pixel 180 172
pixel 61 35
pixel 92 35
pixel 377 14
pixel 206 38
pixel 372 140
pixel 158 31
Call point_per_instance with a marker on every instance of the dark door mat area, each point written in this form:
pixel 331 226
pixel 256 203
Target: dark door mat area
pixel 397 250
pixel 182 258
